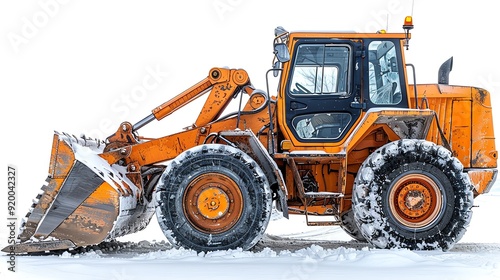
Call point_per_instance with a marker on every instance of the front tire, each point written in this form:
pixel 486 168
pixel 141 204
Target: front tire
pixel 412 194
pixel 213 197
pixel 350 227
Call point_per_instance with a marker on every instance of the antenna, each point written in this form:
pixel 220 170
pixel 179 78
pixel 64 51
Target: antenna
pixel 387 23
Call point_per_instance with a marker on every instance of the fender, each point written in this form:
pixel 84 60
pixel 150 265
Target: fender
pixel 246 141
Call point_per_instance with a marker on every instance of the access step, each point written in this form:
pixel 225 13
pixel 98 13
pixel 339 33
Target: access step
pixel 318 196
pixel 321 195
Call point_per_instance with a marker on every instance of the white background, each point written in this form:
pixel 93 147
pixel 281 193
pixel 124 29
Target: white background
pixel 81 66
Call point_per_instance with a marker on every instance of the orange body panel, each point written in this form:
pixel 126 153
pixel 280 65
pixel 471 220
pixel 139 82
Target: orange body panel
pixel 471 139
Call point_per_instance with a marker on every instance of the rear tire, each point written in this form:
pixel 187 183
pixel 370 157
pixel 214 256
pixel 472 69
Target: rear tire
pixel 412 194
pixel 213 197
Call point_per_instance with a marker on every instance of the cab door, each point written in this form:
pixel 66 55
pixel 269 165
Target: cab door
pixel 324 89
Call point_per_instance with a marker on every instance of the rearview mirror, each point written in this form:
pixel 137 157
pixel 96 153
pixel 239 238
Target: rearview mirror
pixel 281 52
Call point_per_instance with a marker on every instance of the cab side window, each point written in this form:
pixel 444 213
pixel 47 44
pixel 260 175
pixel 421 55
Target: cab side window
pixel 320 69
pixel 384 74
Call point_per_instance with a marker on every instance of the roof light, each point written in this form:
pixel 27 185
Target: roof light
pixel 407 26
pixel 408 22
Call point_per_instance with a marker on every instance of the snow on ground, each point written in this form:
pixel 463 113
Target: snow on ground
pixel 290 250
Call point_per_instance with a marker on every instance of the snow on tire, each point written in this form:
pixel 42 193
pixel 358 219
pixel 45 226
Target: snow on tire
pixel 350 227
pixel 412 194
pixel 213 197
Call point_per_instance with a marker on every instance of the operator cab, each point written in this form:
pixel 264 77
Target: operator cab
pixel 332 79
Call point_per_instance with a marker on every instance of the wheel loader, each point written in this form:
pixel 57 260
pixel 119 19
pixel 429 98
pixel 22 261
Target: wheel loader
pixel 347 140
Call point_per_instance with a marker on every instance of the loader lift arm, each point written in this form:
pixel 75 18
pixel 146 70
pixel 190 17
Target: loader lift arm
pixel 223 82
pixel 223 85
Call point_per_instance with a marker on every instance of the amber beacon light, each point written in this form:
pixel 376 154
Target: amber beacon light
pixel 407 26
